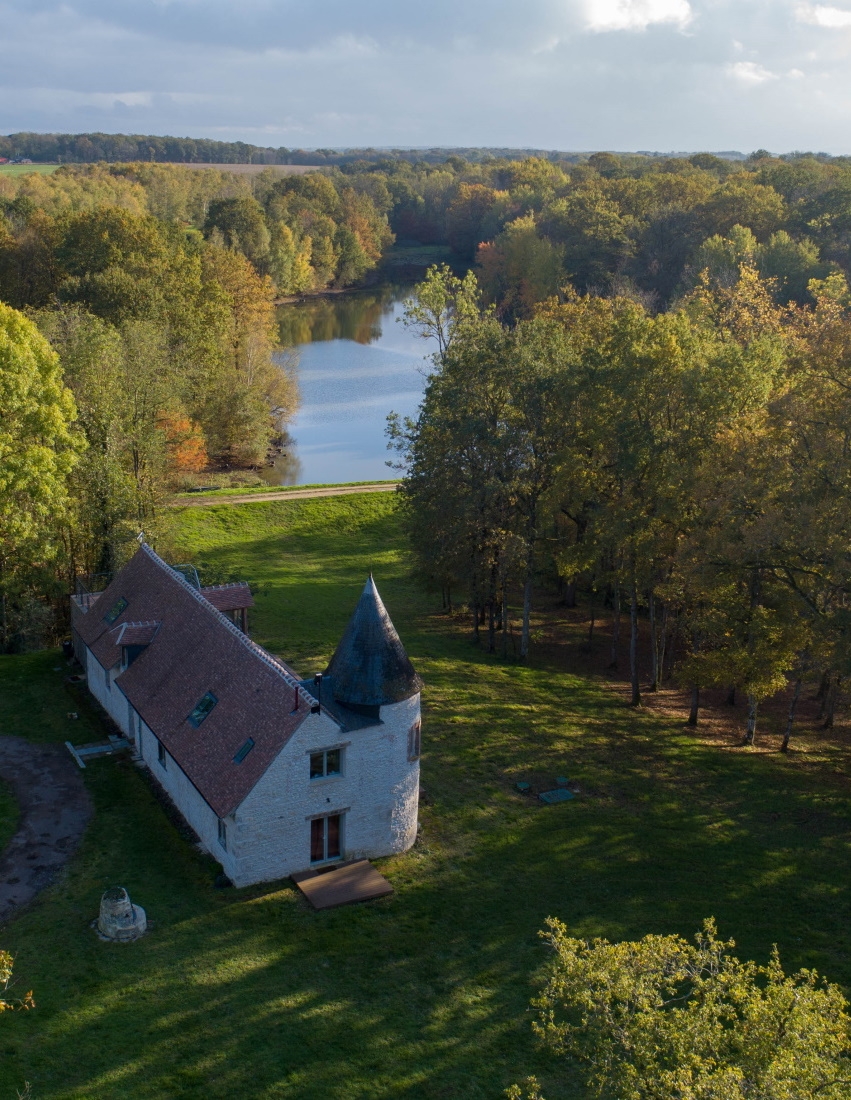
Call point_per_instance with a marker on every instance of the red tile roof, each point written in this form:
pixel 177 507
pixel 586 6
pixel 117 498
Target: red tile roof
pixel 135 633
pixel 229 597
pixel 197 650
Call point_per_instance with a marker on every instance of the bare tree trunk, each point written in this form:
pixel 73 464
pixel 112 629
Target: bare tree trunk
pixel 663 643
pixel 633 646
pixel 824 684
pixel 591 624
pixel 750 732
pixel 506 626
pixel 695 705
pixel 830 708
pixel 792 708
pixel 527 612
pixel 616 628
pixel 654 643
pixel 491 625
pixel 671 648
pixel 476 623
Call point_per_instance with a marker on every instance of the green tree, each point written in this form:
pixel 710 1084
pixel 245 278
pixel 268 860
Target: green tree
pixel 242 223
pixel 39 447
pixel 659 1018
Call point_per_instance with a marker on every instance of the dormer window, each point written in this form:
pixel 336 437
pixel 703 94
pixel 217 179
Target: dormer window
pixel 202 709
pixel 130 653
pixel 117 609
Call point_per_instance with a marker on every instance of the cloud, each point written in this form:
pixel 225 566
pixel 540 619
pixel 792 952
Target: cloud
pixel 547 74
pixel 749 72
pixel 635 15
pixel 822 15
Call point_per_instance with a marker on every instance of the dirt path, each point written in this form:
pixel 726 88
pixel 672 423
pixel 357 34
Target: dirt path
pixel 55 809
pixel 285 494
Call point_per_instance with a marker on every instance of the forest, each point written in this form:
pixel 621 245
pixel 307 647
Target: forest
pixel 639 391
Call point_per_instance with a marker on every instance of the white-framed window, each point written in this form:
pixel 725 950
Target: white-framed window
pixel 326 763
pixel 326 838
pixel 223 834
pixel 414 740
pixel 162 756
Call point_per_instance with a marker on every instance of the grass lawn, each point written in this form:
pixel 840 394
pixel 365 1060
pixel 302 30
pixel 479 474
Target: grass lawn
pixel 23 169
pixel 423 994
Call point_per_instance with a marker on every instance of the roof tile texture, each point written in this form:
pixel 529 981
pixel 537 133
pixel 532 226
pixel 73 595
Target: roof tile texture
pixel 197 650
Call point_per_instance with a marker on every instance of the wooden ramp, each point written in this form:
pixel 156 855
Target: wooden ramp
pixel 355 881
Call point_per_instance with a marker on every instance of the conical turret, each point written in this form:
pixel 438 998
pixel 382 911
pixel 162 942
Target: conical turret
pixel 370 667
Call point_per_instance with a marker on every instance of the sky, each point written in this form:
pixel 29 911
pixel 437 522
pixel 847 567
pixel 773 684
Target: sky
pixel 662 75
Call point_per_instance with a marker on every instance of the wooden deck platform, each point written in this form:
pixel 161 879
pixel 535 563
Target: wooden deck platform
pixel 357 880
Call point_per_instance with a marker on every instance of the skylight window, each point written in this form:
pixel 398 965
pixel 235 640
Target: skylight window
pixel 244 751
pixel 117 608
pixel 202 709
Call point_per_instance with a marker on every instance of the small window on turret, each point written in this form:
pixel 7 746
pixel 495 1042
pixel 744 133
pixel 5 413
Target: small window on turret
pixel 414 741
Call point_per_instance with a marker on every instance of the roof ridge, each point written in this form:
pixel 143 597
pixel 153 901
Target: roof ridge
pixel 227 584
pixel 252 646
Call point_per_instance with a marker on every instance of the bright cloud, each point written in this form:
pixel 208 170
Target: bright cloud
pixel 545 74
pixel 821 15
pixel 635 15
pixel 749 72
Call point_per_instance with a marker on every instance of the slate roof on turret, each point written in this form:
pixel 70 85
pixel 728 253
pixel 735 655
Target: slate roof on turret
pixel 196 649
pixel 370 667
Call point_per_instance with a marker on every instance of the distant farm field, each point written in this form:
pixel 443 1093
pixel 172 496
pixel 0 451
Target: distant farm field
pixel 25 169
pixel 256 169
pixel 423 994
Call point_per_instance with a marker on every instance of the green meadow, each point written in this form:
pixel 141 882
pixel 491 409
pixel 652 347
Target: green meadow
pixel 23 169
pixel 423 994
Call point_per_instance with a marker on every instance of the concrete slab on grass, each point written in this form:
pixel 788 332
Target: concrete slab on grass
pixel 551 797
pixel 355 881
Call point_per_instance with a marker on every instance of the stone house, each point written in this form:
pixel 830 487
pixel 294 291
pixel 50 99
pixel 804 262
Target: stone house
pixel 274 773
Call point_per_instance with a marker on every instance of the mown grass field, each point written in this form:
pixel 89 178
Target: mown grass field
pixel 425 993
pixel 23 169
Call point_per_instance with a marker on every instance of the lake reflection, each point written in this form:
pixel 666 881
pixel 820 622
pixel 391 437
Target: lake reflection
pixel 356 365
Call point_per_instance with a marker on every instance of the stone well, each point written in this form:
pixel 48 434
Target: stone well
pixel 119 919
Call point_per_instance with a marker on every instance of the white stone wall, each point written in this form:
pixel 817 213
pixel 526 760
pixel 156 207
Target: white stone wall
pixel 101 683
pixel 268 836
pixel 185 796
pixel 378 793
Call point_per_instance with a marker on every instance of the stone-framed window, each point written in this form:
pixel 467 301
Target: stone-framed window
pixel 326 763
pixel 326 838
pixel 162 756
pixel 414 740
pixel 223 834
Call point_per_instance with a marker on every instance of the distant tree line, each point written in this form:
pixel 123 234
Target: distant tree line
pixel 116 148
pixel 689 469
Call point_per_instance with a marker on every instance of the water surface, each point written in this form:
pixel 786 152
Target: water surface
pixel 356 365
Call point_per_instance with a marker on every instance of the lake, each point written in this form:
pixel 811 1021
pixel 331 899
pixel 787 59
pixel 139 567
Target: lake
pixel 357 363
